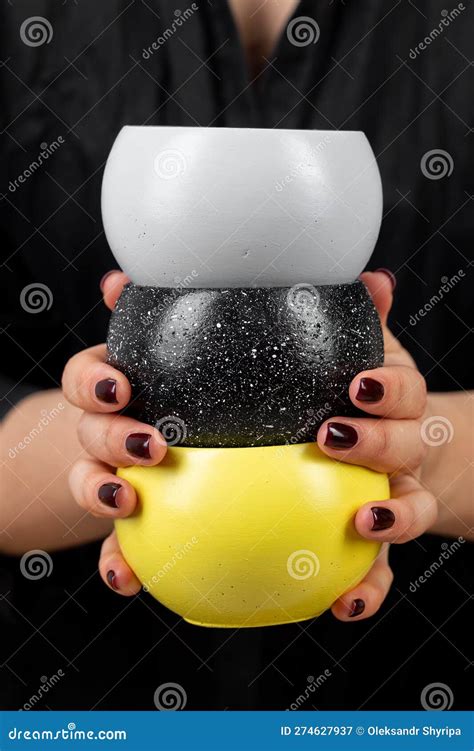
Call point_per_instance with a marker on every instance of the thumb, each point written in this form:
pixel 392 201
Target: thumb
pixel 111 286
pixel 380 285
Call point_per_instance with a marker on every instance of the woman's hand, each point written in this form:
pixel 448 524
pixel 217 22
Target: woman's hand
pixel 397 394
pixel 110 440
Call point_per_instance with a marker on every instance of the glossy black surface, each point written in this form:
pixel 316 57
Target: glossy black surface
pixel 243 367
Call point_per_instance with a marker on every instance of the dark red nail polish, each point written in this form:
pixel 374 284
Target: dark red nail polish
pixel 340 436
pixel 112 579
pixel 370 390
pixel 106 391
pixel 357 608
pixel 108 494
pixel 391 276
pixel 384 518
pixel 138 444
pixel 107 274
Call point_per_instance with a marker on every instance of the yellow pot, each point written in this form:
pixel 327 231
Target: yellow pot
pixel 248 536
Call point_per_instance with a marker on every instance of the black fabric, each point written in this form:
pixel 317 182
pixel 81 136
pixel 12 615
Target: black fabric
pixel 89 80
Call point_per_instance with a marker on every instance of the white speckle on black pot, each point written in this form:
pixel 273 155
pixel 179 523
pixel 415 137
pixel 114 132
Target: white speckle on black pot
pixel 243 367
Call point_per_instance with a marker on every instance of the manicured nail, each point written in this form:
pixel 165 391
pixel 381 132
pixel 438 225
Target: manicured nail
pixel 370 390
pixel 340 436
pixel 138 444
pixel 108 494
pixel 106 391
pixel 357 608
pixel 101 283
pixel 384 518
pixel 391 276
pixel 112 579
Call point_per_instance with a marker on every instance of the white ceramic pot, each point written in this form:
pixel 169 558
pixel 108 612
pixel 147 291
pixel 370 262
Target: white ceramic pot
pixel 242 207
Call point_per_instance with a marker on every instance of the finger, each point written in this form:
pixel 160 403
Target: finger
pixel 115 571
pixel 111 286
pixel 380 285
pixel 120 441
pixel 411 511
pixel 398 392
pixel 382 445
pixel 366 598
pixel 90 383
pixel 99 491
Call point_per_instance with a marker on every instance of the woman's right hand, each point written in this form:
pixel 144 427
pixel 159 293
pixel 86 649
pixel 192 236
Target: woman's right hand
pixel 110 440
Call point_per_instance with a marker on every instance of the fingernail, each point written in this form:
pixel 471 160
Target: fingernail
pixel 112 579
pixel 138 444
pixel 106 391
pixel 340 436
pixel 357 608
pixel 384 518
pixel 108 494
pixel 391 276
pixel 370 390
pixel 101 283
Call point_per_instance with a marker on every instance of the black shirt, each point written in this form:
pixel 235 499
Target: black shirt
pixel 377 67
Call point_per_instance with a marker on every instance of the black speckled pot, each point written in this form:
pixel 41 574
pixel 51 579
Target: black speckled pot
pixel 243 367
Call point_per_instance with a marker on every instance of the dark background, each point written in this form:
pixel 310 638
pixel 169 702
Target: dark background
pixel 83 86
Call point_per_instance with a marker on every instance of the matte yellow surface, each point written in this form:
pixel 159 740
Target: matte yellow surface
pixel 248 536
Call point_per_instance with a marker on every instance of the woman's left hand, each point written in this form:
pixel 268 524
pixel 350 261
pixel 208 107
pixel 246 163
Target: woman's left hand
pixel 396 393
